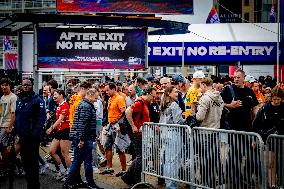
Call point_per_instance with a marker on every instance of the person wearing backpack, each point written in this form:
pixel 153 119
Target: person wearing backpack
pixel 241 102
pixel 243 105
pixel 270 120
pixel 137 114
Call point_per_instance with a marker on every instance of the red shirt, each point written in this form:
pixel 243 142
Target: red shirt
pixel 139 116
pixel 63 109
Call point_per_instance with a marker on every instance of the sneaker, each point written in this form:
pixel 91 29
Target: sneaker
pixel 60 175
pixel 119 174
pixel 96 170
pixel 103 163
pixel 43 168
pixel 129 162
pixel 107 171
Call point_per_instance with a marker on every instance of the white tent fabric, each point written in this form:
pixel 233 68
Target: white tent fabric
pixel 233 32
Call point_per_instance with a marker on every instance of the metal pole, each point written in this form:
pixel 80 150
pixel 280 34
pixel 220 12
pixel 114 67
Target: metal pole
pixel 146 51
pixel 183 71
pixel 35 68
pixel 278 39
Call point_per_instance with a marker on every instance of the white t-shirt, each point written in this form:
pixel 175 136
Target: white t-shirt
pixel 7 106
pixel 99 109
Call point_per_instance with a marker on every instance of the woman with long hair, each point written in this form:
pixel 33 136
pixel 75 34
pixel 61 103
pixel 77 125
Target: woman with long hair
pixel 170 110
pixel 61 130
pixel 171 136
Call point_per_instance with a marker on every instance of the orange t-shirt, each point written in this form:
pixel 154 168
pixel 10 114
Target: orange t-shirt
pixel 259 96
pixel 76 99
pixel 115 104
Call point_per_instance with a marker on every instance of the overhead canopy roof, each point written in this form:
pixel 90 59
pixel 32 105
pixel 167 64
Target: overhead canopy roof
pixel 20 21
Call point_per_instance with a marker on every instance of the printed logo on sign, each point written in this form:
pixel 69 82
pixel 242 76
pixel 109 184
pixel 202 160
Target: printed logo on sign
pixel 134 61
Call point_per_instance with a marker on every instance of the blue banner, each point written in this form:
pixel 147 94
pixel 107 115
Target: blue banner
pixel 91 48
pixel 168 53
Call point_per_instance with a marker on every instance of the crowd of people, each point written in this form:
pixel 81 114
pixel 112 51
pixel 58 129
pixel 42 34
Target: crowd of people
pixel 94 120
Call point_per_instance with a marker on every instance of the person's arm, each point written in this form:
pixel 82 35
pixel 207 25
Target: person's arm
pixel 254 111
pixel 229 101
pixel 13 115
pixel 58 121
pixel 202 110
pixel 128 114
pixel 255 104
pixel 177 114
pixel 11 124
pixel 84 116
pixel 40 117
pixel 234 104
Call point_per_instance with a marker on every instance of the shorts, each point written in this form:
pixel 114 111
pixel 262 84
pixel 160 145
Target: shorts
pixel 4 138
pixel 109 140
pixel 61 135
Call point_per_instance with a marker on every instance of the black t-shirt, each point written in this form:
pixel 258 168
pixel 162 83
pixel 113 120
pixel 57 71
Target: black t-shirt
pixel 269 120
pixel 154 110
pixel 240 118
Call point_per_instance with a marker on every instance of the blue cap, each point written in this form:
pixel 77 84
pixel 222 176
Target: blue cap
pixel 150 78
pixel 178 78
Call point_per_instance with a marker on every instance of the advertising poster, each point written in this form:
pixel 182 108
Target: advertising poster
pixel 91 48
pixel 127 6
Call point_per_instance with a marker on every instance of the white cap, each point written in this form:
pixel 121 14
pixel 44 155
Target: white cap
pixel 250 78
pixel 199 74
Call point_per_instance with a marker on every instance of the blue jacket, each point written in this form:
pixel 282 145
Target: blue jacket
pixel 84 124
pixel 30 116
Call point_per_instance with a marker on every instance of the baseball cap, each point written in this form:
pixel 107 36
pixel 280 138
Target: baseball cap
pixel 150 78
pixel 199 74
pixel 178 78
pixel 250 78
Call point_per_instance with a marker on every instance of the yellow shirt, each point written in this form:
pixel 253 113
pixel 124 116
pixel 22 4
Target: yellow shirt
pixel 73 102
pixel 191 97
pixel 115 104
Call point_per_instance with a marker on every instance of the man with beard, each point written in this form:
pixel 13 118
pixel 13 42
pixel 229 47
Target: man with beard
pixel 30 119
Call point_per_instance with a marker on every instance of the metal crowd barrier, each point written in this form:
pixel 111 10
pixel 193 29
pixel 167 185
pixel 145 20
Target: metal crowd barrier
pixel 227 159
pixel 166 152
pixel 204 158
pixel 275 160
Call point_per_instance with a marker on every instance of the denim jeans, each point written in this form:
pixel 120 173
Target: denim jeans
pixel 172 146
pixel 95 144
pixel 81 155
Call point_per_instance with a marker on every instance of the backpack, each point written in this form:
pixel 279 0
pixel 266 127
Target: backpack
pixel 124 125
pixel 224 122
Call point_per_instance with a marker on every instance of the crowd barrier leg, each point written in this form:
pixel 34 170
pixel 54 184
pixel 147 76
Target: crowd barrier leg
pixel 274 157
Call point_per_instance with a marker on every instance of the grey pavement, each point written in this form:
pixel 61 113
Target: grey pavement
pixel 47 181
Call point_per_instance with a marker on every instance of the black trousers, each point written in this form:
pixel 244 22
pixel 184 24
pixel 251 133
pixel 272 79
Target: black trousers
pixel 29 149
pixel 133 174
